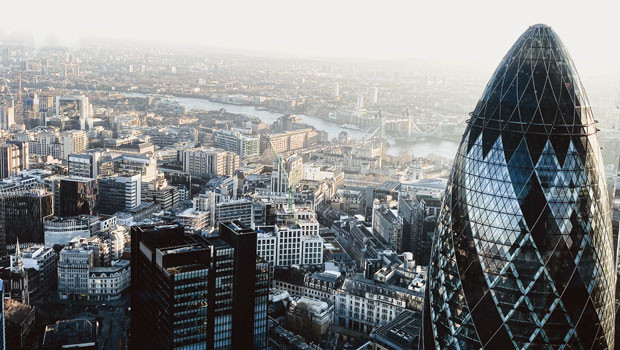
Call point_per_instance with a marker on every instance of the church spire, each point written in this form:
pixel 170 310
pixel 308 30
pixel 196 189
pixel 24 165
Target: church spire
pixel 18 257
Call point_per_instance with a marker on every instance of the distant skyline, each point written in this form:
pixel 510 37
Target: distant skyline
pixel 476 33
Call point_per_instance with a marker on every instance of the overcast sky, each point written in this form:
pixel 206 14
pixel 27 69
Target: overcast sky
pixel 477 31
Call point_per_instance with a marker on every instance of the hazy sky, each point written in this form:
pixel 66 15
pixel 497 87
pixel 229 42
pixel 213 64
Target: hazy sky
pixel 479 31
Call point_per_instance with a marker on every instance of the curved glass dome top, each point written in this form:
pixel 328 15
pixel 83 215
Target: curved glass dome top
pixel 535 88
pixel 523 254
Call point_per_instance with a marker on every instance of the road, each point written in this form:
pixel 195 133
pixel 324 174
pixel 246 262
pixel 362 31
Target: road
pixel 114 328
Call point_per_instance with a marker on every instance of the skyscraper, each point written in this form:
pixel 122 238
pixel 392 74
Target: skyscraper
pixel 523 253
pixel 195 292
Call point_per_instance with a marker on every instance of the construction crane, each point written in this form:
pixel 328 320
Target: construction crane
pixel 289 189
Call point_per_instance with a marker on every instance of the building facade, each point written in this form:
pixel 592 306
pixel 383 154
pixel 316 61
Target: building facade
pixel 119 193
pixel 523 252
pixel 209 161
pixel 223 289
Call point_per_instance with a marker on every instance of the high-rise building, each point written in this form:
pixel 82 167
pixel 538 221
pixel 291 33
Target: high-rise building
pixel 222 283
pixel 13 158
pixel 209 162
pixel 7 116
pixel 22 216
pixel 234 141
pixel 118 193
pixel 74 141
pixel 523 254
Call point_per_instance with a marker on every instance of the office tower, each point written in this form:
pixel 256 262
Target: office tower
pixel 286 173
pixel 523 255
pixel 22 216
pixel 84 164
pixel 117 193
pixel 251 288
pixel 13 158
pixel 203 162
pixel 76 196
pixel 223 288
pixel 243 145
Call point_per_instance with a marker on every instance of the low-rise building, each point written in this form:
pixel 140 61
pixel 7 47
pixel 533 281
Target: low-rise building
pixel 71 334
pixel 109 282
pixel 309 318
pixel 402 333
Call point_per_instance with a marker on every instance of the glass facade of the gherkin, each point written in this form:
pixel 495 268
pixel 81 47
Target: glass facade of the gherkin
pixel 523 254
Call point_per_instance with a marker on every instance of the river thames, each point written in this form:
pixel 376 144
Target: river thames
pixel 419 148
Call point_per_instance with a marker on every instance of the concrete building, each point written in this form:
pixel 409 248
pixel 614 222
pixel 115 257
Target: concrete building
pixel 119 193
pixel 365 303
pixel 73 141
pixel 387 225
pixel 84 164
pixel 109 282
pixel 202 162
pixel 234 141
pixel 402 333
pixel 13 158
pixel 71 334
pixel 289 245
pixel 309 318
pixel 42 259
pixel 73 268
pixel 61 231
pixel 7 115
pixel 20 320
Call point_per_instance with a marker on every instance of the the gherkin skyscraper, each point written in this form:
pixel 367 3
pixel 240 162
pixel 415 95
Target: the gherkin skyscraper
pixel 523 254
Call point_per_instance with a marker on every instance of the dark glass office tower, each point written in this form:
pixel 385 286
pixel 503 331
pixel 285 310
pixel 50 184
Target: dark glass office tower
pixel 523 253
pixel 186 290
pixel 251 292
pixel 22 213
pixel 77 196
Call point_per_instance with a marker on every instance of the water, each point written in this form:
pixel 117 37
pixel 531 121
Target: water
pixel 422 148
pixel 441 148
pixel 332 128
